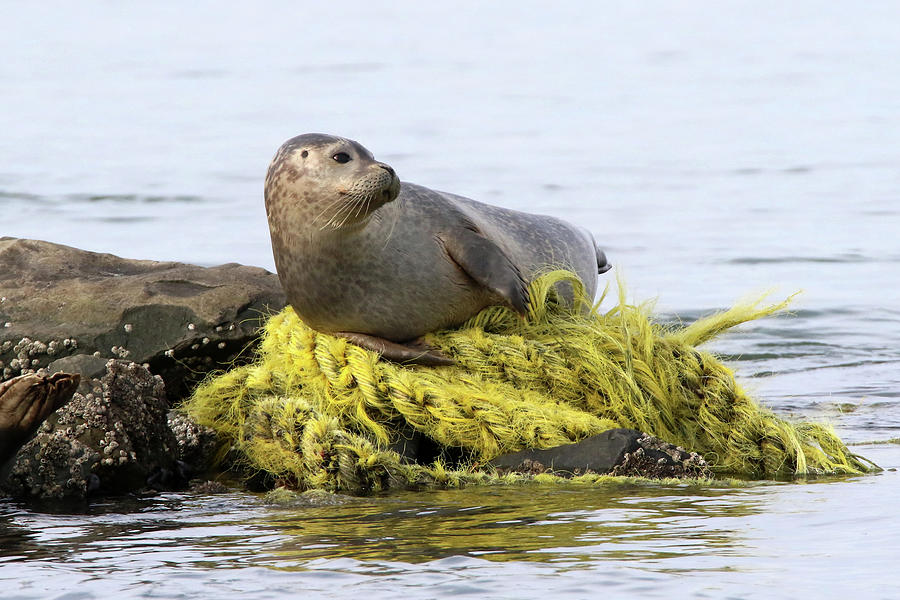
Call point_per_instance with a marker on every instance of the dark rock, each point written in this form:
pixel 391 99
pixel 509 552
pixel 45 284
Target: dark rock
pixel 616 452
pixel 165 478
pixel 208 487
pixel 90 367
pixel 181 320
pixel 414 447
pixel 196 445
pixel 598 454
pixel 113 442
pixel 657 459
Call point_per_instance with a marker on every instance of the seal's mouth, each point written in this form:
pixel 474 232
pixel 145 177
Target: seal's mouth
pixel 390 193
pixel 356 202
pixel 392 190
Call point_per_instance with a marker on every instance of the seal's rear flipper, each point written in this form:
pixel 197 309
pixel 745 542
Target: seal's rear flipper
pixel 602 264
pixel 484 261
pixel 399 353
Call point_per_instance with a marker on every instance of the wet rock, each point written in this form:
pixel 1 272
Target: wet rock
pixel 181 320
pixel 597 454
pixel 614 452
pixel 287 498
pixel 196 445
pixel 657 459
pixel 111 442
pixel 208 487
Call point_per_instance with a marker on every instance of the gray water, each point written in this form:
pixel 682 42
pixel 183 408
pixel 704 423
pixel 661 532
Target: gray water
pixel 716 151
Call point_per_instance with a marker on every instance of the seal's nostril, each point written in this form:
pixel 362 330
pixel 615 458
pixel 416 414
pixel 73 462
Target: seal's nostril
pixel 387 168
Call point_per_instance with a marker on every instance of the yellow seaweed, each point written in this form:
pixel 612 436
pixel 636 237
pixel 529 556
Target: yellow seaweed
pixel 314 411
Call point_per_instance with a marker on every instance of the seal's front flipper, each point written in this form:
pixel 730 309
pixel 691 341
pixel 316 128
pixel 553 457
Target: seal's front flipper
pixel 398 352
pixel 484 261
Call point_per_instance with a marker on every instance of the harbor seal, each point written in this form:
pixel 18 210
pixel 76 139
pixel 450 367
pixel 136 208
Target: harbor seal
pixel 25 402
pixel 381 263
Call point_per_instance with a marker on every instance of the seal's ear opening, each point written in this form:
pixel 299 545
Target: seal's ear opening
pixel 304 154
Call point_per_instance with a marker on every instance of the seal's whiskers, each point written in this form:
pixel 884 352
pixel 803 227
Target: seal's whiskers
pixel 339 199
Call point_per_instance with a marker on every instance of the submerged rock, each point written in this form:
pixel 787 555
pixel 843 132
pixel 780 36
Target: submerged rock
pixel 288 498
pixel 67 309
pixel 114 439
pixel 208 487
pixel 614 452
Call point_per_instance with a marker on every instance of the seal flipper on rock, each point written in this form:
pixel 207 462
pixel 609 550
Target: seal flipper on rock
pixel 25 402
pixel 414 353
pixel 484 261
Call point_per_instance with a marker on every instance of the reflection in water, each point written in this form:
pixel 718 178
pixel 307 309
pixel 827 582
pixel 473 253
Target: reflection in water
pixel 518 524
pixel 15 542
pixel 562 539
pixel 530 523
pixel 461 541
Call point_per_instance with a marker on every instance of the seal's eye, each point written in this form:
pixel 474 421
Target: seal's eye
pixel 342 157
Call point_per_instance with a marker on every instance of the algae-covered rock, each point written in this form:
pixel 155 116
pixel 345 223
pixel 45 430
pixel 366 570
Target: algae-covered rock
pixel 314 411
pixel 181 320
pixel 114 439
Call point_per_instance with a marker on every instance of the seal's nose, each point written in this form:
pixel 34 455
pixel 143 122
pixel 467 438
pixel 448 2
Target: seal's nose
pixel 388 169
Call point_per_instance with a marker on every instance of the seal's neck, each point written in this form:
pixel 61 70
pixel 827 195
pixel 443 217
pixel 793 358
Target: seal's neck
pixel 313 243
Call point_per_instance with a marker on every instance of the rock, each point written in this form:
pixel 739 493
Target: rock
pixel 90 367
pixel 196 445
pixel 614 452
pixel 209 487
pixel 657 459
pixel 111 442
pixel 181 320
pixel 287 498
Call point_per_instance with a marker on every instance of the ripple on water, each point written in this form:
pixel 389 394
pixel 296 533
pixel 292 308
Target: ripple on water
pixel 99 198
pixel 762 260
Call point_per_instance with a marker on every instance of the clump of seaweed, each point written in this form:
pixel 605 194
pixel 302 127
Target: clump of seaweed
pixel 316 412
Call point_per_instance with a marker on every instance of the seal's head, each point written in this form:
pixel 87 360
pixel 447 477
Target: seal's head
pixel 326 182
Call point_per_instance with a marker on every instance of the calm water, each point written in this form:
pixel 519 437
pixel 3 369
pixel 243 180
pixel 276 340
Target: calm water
pixel 714 154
